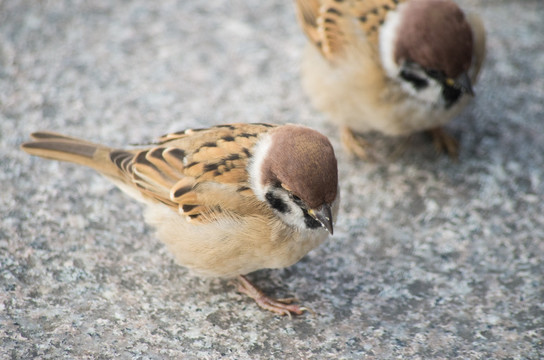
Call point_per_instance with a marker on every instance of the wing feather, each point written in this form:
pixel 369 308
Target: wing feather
pixel 333 25
pixel 198 172
pixel 179 170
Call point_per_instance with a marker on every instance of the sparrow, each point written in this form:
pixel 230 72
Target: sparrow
pixel 394 67
pixel 227 200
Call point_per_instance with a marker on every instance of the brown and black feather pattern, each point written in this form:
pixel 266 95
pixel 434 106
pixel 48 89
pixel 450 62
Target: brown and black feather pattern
pixel 176 170
pixel 332 24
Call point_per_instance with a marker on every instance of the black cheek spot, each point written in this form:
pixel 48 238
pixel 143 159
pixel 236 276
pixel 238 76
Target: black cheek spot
pixel 276 203
pixel 417 82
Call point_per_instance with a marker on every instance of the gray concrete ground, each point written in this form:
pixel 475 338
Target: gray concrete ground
pixel 431 259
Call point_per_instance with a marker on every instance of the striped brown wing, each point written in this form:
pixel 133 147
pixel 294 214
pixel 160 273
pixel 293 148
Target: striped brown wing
pixel 371 14
pixel 332 24
pixel 184 168
pixel 322 23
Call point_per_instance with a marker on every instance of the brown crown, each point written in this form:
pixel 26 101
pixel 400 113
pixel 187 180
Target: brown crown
pixel 303 161
pixel 436 35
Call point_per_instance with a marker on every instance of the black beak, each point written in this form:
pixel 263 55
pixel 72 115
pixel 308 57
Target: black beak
pixel 323 214
pixel 463 82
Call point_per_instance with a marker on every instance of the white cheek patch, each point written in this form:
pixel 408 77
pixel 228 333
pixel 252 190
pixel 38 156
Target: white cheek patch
pixel 254 169
pixel 296 218
pixel 431 94
pixel 388 38
pixel 292 213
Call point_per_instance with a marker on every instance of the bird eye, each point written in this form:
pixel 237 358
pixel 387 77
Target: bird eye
pixel 296 198
pixel 436 74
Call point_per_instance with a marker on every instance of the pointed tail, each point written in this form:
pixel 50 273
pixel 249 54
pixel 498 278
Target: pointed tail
pixel 64 148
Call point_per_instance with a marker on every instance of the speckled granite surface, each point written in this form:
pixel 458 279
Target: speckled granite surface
pixel 431 258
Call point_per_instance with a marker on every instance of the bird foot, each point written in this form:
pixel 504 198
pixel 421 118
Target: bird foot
pixel 444 142
pixel 279 306
pixel 355 144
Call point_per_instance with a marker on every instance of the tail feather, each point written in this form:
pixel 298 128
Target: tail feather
pixel 60 150
pixel 64 148
pixel 47 135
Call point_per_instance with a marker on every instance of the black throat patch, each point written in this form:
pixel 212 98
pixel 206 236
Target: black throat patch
pixel 450 95
pixel 310 222
pixel 276 202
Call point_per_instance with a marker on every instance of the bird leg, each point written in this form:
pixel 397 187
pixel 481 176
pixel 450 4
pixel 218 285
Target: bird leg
pixel 354 144
pixel 444 142
pixel 278 306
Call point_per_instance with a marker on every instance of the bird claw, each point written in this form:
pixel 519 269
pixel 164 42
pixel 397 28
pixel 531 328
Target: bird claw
pixel 284 307
pixel 289 300
pixel 445 143
pixel 354 144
